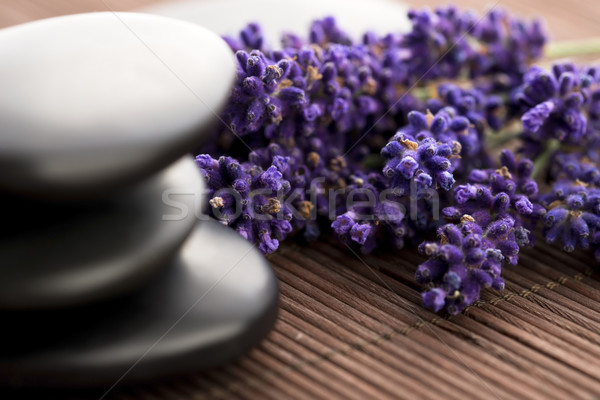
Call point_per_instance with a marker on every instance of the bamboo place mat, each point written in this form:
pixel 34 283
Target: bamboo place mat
pixel 353 326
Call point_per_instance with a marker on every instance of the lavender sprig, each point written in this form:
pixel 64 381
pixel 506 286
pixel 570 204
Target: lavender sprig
pixel 573 216
pixel 372 217
pixel 561 104
pixel 493 216
pixel 425 152
pixel 249 199
pixel 464 261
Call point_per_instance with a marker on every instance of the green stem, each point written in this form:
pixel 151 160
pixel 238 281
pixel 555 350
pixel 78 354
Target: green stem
pixel 500 139
pixel 542 161
pixel 573 48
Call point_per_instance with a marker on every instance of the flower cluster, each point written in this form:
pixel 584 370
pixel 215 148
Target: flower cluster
pixel 581 165
pixel 559 110
pixel 561 104
pixel 424 153
pixel 374 214
pixel 493 216
pixel 467 259
pixel 447 44
pixel 490 194
pixel 306 90
pixel 248 198
pixel 314 171
pixel 573 216
pixel 573 202
pixel 479 107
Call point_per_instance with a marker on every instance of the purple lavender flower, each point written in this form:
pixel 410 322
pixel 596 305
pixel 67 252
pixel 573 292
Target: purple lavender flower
pixel 492 194
pixel 558 105
pixel 581 165
pixel 248 198
pixel 480 108
pixel 447 43
pixel 250 38
pixel 436 46
pixel 425 152
pixel 467 259
pixel 325 31
pixel 512 42
pixel 573 216
pixel 305 91
pixel 371 218
pixel 253 104
pixel 312 169
pixel 493 216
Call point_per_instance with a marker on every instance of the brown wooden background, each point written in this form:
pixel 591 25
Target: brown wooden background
pixel 354 328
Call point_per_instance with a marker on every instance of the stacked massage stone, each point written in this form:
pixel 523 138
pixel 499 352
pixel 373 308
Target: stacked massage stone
pixel 108 270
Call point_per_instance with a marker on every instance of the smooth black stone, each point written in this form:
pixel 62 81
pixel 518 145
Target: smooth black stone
pixel 97 101
pixel 55 256
pixel 218 299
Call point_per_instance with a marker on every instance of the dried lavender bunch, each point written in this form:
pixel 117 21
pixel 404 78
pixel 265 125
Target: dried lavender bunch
pixel 321 116
pixel 328 87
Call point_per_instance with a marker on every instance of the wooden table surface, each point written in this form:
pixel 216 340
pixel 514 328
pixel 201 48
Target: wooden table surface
pixel 354 327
